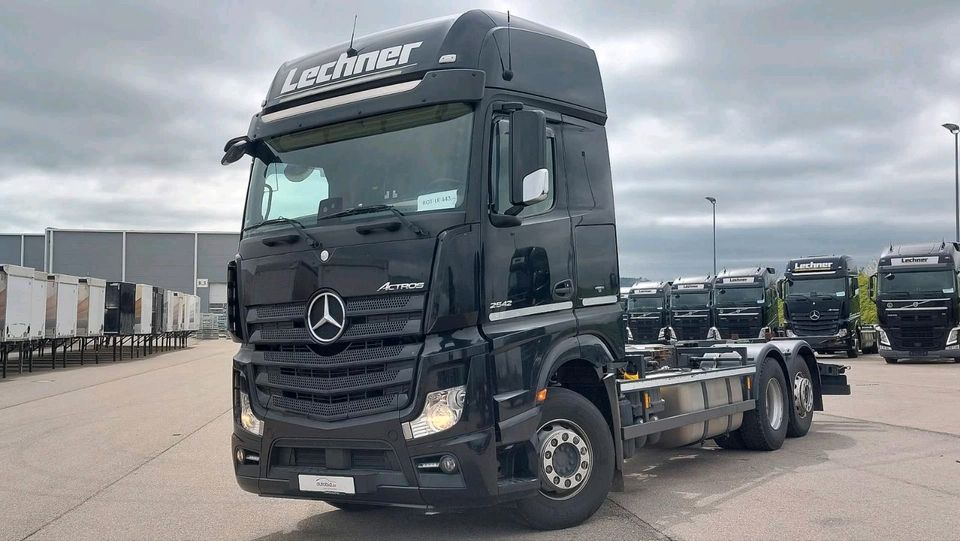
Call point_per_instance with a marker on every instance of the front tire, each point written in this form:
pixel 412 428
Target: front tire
pixel 854 351
pixel 801 414
pixel 890 360
pixel 765 427
pixel 575 460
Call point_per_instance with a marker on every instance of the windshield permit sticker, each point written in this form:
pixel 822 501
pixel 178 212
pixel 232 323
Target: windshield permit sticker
pixel 437 201
pixel 841 294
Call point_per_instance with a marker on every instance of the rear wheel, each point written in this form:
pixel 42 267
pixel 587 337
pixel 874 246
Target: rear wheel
pixel 801 414
pixel 890 360
pixel 575 459
pixel 765 427
pixel 854 351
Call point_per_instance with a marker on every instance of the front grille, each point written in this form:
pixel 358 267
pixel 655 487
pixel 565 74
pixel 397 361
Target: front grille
pixel 335 458
pixel 827 325
pixel 645 330
pixel 691 328
pixel 919 330
pixel 369 370
pixel 738 327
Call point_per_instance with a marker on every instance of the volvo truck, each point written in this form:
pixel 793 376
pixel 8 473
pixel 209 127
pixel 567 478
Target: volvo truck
pixel 821 299
pixel 915 288
pixel 426 288
pixel 745 303
pixel 648 312
pixel 691 308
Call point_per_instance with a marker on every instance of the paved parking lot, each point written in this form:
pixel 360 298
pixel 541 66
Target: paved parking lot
pixel 140 450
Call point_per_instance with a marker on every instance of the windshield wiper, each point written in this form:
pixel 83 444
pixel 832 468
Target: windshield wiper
pixel 417 230
pixel 311 240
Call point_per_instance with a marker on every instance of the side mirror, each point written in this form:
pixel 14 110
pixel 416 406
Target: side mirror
pixel 872 287
pixel 234 149
pixel 529 179
pixel 779 288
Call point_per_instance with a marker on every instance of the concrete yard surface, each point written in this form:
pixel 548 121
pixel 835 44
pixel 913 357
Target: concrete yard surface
pixel 140 450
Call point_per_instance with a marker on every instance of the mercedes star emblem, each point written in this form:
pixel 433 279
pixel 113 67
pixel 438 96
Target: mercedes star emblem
pixel 815 315
pixel 326 317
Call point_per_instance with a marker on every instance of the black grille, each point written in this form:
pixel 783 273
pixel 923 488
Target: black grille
pixel 369 370
pixel 691 328
pixel 926 338
pixel 828 324
pixel 738 327
pixel 645 331
pixel 335 458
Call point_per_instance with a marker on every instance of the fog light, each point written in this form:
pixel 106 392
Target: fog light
pixel 448 464
pixel 841 333
pixel 240 456
pixel 791 334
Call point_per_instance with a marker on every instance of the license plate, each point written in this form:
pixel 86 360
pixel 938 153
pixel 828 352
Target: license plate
pixel 327 483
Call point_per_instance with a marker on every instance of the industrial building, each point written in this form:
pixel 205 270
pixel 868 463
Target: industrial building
pixel 189 261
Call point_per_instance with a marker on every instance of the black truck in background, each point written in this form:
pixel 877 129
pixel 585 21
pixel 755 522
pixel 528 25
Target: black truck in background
pixel 821 296
pixel 691 313
pixel 426 288
pixel 647 312
pixel 745 303
pixel 915 288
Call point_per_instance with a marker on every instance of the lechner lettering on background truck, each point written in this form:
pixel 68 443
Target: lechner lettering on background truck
pixel 821 296
pixel 745 303
pixel 474 178
pixel 915 288
pixel 691 308
pixel 648 312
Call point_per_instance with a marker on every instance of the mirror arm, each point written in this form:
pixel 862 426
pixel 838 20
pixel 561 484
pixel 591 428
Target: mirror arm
pixel 505 220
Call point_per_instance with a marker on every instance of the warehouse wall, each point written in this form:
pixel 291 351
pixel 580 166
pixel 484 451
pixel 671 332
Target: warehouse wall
pixel 162 259
pixel 87 253
pixel 32 250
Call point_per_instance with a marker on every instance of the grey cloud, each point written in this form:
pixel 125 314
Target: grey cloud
pixel 784 110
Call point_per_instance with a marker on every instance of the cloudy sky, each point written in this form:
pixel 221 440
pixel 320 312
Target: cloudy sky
pixel 815 124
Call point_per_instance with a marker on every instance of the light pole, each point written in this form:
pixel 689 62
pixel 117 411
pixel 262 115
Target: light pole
pixel 713 202
pixel 954 129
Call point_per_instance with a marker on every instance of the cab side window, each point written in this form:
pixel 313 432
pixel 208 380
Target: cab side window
pixel 500 168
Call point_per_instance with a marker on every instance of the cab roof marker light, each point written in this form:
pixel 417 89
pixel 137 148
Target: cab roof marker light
pixel 341 100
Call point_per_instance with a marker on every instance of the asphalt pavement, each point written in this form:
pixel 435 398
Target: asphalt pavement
pixel 140 450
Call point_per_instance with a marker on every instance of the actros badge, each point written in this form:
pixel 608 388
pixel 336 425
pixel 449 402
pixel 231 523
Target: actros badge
pixel 326 317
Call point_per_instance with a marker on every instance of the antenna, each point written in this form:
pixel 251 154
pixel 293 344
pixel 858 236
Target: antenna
pixel 351 52
pixel 508 73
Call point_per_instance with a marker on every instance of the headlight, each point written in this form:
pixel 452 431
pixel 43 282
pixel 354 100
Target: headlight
pixel 841 333
pixel 713 334
pixel 250 422
pixel 791 334
pixel 952 337
pixel 441 411
pixel 884 340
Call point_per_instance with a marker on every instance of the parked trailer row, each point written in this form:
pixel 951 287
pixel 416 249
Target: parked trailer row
pixel 53 316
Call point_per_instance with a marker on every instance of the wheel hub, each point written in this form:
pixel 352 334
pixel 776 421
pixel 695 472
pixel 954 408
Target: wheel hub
pixel 774 403
pixel 565 459
pixel 802 395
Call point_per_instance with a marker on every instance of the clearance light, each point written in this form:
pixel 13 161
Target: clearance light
pixel 646 400
pixel 749 383
pixel 541 396
pixel 441 410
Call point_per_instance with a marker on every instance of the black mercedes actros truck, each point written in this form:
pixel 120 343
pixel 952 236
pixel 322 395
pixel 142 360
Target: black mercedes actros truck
pixel 915 289
pixel 426 289
pixel 648 312
pixel 745 303
pixel 821 297
pixel 691 308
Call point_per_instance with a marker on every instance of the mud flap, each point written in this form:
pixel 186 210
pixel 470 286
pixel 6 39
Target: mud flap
pixel 833 379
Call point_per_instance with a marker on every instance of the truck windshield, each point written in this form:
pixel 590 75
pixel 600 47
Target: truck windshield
pixel 642 304
pixel 700 299
pixel 824 286
pixel 916 282
pixel 414 160
pixel 739 296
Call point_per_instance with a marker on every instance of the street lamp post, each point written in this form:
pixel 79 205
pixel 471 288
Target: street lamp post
pixel 954 129
pixel 713 202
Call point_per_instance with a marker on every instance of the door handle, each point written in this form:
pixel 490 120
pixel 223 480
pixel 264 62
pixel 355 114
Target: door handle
pixel 563 288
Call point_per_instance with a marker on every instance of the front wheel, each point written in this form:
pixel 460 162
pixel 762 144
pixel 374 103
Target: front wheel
pixel 854 351
pixel 890 360
pixel 765 427
pixel 575 459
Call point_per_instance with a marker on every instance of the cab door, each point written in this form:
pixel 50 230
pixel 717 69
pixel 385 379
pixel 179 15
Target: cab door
pixel 528 287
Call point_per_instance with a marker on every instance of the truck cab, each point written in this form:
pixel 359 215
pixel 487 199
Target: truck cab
pixel 691 301
pixel 915 288
pixel 745 303
pixel 648 312
pixel 821 296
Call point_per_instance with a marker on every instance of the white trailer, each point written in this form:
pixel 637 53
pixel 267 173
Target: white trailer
pixel 143 310
pixel 173 308
pixel 16 285
pixel 91 295
pixel 192 321
pixel 62 290
pixel 38 305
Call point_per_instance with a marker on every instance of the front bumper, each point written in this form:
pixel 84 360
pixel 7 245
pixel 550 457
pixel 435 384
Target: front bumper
pixel 393 481
pixel 888 353
pixel 830 342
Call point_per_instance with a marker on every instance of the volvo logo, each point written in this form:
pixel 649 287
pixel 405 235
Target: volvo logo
pixel 326 317
pixel 815 315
